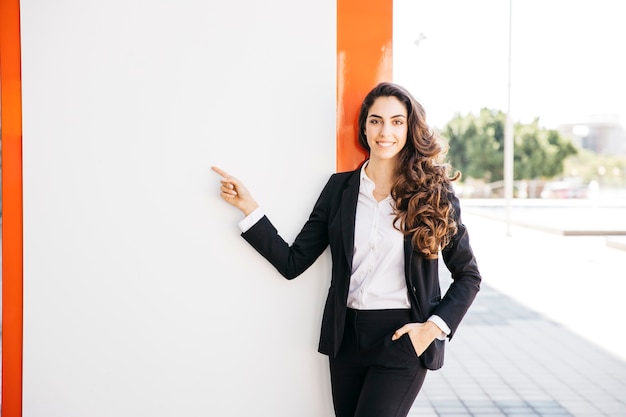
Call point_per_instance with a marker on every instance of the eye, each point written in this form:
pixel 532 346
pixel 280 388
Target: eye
pixel 374 121
pixel 398 122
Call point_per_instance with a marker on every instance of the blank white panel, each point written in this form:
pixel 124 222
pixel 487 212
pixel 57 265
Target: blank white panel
pixel 140 298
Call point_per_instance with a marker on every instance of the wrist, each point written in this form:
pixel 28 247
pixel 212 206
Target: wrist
pixel 433 329
pixel 249 208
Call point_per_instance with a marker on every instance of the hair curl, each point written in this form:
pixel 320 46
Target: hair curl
pixel 421 190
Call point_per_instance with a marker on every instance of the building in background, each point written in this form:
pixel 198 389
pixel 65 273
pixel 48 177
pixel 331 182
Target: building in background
pixel 601 134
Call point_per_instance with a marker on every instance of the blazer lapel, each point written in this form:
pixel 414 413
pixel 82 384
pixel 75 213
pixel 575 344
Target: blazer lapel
pixel 349 200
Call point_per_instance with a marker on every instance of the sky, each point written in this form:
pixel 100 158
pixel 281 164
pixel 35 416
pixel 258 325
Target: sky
pixel 567 63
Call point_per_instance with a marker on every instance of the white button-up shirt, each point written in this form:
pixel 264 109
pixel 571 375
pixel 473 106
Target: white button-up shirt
pixel 377 280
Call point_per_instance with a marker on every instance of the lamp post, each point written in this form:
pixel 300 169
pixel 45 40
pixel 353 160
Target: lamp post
pixel 508 138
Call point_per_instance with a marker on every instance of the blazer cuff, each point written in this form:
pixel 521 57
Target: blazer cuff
pixel 445 330
pixel 250 220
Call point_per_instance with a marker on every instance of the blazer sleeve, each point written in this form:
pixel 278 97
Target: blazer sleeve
pixel 292 260
pixel 460 261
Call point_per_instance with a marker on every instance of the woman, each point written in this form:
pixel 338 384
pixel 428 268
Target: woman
pixel 384 322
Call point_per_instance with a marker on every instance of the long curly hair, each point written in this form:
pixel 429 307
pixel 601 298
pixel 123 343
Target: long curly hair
pixel 422 187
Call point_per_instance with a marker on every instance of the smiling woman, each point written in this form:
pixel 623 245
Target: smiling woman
pixel 385 321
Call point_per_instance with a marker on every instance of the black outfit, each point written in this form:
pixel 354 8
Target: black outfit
pixel 332 223
pixel 373 376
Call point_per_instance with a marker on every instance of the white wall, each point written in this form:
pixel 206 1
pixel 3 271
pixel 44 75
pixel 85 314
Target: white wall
pixel 140 298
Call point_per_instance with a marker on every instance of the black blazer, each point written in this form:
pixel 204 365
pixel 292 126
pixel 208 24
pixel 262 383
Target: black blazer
pixel 332 223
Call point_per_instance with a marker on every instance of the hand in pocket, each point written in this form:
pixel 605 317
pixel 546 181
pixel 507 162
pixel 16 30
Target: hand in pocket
pixel 421 334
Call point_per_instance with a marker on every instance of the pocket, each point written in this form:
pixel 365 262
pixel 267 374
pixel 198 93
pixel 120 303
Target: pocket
pixel 402 348
pixel 409 345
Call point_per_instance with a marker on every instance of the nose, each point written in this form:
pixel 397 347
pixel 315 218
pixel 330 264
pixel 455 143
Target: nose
pixel 386 130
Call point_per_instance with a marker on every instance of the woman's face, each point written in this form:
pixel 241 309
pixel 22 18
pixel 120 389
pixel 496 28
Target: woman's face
pixel 386 128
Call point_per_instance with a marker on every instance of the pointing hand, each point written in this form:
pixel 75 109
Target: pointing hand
pixel 235 193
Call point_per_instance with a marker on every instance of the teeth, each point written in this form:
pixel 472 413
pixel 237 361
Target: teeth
pixel 385 144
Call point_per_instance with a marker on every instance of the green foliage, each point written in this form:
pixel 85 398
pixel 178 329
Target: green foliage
pixel 608 170
pixel 477 144
pixel 477 147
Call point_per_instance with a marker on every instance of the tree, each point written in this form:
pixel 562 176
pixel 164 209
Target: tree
pixel 606 170
pixel 477 147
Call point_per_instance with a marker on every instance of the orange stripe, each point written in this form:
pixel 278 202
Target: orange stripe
pixel 364 58
pixel 12 292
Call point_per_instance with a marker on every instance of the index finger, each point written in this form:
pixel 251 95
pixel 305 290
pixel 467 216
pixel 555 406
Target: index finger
pixel 221 172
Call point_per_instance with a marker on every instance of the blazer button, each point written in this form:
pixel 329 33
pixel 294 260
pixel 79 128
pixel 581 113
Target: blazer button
pixel 414 290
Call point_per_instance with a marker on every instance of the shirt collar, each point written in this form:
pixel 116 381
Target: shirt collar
pixel 367 184
pixel 364 176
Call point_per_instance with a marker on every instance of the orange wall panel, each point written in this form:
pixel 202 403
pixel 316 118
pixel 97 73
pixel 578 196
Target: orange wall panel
pixel 364 58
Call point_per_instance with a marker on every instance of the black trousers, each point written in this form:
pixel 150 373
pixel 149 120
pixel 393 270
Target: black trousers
pixel 373 376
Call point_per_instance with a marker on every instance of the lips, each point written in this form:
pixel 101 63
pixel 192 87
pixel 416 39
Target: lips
pixel 385 144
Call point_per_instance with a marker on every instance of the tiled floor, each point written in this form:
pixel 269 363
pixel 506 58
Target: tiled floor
pixel 506 360
pixel 509 360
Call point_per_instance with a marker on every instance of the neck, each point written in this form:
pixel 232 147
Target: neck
pixel 383 175
pixel 381 171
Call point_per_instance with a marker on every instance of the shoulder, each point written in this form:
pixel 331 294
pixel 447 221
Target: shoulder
pixel 344 177
pixel 338 183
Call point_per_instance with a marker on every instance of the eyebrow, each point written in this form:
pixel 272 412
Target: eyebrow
pixel 392 117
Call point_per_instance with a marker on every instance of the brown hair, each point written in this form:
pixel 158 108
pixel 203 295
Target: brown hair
pixel 422 187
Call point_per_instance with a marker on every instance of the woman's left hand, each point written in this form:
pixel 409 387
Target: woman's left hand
pixel 421 334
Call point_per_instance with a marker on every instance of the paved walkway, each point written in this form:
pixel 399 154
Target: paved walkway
pixel 510 359
pixel 507 360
